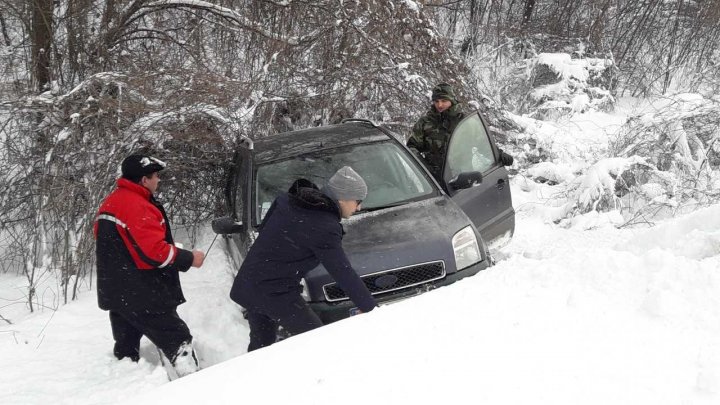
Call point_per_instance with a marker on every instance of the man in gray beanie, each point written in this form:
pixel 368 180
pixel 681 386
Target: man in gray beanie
pixel 348 189
pixel 300 230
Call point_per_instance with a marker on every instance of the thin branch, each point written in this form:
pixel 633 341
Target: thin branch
pixel 5 319
pixel 232 16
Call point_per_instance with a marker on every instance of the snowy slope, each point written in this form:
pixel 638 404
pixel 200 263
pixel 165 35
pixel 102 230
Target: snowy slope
pixel 569 316
pixel 69 351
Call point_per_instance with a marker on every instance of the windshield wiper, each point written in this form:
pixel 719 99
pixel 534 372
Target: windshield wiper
pixel 382 207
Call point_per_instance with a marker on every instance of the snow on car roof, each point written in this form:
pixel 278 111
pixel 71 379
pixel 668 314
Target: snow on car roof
pixel 307 140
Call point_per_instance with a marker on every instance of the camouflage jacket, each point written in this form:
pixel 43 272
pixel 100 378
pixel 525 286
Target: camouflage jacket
pixel 431 133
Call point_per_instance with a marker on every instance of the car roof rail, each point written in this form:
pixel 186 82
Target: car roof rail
pixel 364 120
pixel 382 128
pixel 247 142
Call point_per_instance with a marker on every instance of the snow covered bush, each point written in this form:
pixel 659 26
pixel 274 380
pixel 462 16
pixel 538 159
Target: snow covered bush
pixel 63 153
pixel 681 142
pixel 563 85
pixel 184 79
pixel 540 87
pixel 658 164
pixel 597 188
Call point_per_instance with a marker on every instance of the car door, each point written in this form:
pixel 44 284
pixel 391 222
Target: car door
pixel 236 194
pixel 487 203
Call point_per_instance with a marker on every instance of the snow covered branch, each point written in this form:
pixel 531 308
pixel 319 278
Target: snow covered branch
pixel 231 16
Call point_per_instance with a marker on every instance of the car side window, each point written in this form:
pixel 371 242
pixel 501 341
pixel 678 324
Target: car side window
pixel 239 184
pixel 469 149
pixel 266 194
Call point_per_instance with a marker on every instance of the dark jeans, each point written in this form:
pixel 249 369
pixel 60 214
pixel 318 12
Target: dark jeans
pixel 295 319
pixel 165 329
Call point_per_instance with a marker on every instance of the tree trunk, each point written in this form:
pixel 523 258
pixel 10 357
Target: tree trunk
pixel 468 45
pixel 41 41
pixel 527 13
pixel 596 33
pixel 76 38
pixel 673 40
pixel 3 29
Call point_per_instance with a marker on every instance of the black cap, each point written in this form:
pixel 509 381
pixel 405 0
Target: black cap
pixel 134 167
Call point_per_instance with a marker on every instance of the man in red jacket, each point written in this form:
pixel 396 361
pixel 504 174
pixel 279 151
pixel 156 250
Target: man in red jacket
pixel 137 269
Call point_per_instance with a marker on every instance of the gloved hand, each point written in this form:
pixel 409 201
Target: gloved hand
pixel 505 159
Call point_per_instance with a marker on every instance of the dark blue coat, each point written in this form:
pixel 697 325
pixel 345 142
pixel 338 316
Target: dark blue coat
pixel 301 230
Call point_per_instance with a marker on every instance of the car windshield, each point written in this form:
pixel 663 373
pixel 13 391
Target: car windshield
pixel 392 176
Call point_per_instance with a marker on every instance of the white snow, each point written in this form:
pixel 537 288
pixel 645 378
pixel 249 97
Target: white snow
pixel 580 312
pixel 413 5
pixel 568 316
pixel 551 171
pixel 563 65
pixel 574 92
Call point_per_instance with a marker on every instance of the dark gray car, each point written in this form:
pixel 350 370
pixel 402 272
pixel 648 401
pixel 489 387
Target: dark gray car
pixel 413 234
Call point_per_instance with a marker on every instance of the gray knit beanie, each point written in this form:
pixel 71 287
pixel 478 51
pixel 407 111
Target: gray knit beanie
pixel 346 184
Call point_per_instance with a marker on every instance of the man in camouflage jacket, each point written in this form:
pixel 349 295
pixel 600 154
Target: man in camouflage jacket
pixel 432 131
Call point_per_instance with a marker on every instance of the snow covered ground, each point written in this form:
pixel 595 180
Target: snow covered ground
pixel 581 313
pixel 569 316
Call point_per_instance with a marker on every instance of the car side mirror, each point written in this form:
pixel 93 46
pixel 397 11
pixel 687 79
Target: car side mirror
pixel 465 180
pixel 226 226
pixel 505 158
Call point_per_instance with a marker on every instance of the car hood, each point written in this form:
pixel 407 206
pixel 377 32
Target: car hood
pixel 428 221
pixel 414 233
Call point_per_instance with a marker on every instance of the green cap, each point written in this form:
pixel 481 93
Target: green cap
pixel 443 91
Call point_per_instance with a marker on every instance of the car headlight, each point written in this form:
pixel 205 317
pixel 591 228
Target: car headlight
pixel 466 248
pixel 305 293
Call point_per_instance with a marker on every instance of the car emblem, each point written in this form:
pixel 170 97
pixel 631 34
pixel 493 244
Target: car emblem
pixel 385 281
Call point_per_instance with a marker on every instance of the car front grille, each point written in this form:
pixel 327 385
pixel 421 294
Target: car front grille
pixel 392 280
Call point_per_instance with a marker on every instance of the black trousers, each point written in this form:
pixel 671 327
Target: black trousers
pixel 165 329
pixel 295 318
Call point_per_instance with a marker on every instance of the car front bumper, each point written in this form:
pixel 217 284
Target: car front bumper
pixel 331 312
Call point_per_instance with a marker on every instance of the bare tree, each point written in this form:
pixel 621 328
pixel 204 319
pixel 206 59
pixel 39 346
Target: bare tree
pixel 187 78
pixel 42 24
pixel 527 13
pixel 4 30
pixel 184 79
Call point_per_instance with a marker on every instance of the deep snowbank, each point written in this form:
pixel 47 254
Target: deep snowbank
pixel 569 317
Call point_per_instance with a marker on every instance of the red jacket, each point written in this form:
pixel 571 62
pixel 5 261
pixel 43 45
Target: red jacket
pixel 137 261
pixel 140 223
